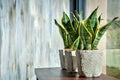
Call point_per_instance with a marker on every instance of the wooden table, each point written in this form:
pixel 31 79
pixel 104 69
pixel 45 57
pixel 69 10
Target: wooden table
pixel 58 74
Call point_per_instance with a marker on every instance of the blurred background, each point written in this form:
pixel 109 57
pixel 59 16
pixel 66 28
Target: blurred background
pixel 113 40
pixel 29 38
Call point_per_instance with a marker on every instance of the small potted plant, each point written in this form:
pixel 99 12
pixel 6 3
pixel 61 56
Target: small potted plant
pixel 83 36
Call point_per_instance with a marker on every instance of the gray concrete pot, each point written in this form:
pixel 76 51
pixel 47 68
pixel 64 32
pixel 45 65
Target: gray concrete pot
pixel 89 62
pixel 68 60
pixel 71 63
pixel 62 59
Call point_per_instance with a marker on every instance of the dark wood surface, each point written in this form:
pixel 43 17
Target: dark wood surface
pixel 58 74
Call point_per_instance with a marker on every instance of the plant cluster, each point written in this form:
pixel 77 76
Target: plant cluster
pixel 79 34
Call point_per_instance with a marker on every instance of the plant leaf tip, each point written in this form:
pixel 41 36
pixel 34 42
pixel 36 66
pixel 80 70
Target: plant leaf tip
pixel 115 18
pixel 97 7
pixel 55 21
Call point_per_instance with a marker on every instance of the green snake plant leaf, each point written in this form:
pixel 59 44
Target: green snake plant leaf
pixel 75 22
pixel 99 18
pixel 92 19
pixel 81 45
pixel 76 18
pixel 67 23
pixel 117 23
pixel 97 23
pixel 69 41
pixel 91 23
pixel 79 16
pixel 100 33
pixel 81 34
pixel 65 35
pixel 76 43
pixel 88 39
pixel 86 36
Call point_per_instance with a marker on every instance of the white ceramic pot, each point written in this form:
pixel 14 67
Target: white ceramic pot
pixel 89 62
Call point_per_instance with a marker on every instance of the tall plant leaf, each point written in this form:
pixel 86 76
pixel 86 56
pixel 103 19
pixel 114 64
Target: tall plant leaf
pixel 91 23
pixel 75 22
pixel 99 18
pixel 69 41
pixel 76 43
pixel 79 16
pixel 97 23
pixel 88 39
pixel 100 33
pixel 80 31
pixel 69 27
pixel 67 23
pixel 92 19
pixel 65 35
pixel 86 36
pixel 81 45
pixel 95 28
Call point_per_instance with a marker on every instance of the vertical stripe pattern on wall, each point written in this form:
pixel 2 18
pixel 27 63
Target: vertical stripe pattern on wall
pixel 28 36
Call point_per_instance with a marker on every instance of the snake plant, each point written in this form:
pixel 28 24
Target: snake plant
pixel 79 34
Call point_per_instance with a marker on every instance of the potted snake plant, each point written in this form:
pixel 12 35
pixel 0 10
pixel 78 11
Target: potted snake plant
pixel 82 36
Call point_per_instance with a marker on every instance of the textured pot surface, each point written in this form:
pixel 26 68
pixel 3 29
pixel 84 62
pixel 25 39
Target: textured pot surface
pixel 68 60
pixel 62 59
pixel 89 62
pixel 71 61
